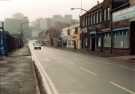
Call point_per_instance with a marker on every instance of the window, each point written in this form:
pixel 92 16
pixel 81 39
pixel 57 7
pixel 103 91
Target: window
pixel 91 19
pixel 83 21
pixel 86 19
pixel 68 32
pixel 94 19
pixel 121 39
pixel 97 17
pixel 99 41
pixel 100 18
pixel 108 13
pixel 107 40
pixel 76 30
pixel 105 15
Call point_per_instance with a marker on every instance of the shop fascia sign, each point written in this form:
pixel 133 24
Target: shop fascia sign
pixel 125 14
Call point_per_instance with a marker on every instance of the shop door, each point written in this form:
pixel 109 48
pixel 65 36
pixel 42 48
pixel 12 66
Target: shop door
pixel 93 42
pixel 132 38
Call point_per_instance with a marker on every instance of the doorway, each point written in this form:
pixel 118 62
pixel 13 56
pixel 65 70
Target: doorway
pixel 132 38
pixel 93 40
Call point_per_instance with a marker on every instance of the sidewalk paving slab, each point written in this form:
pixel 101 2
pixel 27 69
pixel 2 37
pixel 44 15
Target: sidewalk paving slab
pixel 16 74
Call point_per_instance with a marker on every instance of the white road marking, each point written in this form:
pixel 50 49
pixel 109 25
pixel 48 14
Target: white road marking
pixel 127 68
pixel 48 84
pixel 122 87
pixel 88 71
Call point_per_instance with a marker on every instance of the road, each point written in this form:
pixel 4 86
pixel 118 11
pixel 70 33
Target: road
pixel 75 73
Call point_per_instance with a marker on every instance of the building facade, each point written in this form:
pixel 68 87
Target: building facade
pixel 123 29
pixel 108 26
pixel 71 36
pixel 96 23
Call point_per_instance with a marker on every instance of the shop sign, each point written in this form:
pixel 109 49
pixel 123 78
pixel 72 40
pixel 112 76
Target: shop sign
pixel 125 14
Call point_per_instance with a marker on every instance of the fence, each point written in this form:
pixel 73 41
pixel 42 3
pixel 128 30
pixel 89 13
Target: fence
pixel 9 43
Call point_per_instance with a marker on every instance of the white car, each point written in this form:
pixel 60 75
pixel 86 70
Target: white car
pixel 37 46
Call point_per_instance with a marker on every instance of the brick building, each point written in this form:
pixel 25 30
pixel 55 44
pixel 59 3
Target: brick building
pixel 108 33
pixel 95 24
pixel 123 29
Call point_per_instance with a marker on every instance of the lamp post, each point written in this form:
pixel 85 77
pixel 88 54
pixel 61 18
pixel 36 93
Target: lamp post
pixel 79 9
pixel 86 11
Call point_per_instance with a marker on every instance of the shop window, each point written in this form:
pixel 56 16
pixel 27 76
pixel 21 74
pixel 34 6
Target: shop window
pixel 99 41
pixel 107 40
pixel 121 39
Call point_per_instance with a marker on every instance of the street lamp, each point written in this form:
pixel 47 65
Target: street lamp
pixel 79 9
pixel 86 11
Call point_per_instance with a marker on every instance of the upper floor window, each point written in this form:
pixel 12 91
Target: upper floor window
pixel 100 16
pixel 86 20
pixel 68 32
pixel 94 19
pixel 76 30
pixel 91 19
pixel 97 17
pixel 108 13
pixel 83 21
pixel 105 16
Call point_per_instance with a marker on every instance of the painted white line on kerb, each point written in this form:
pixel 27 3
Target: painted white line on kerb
pixel 88 71
pixel 121 87
pixel 48 84
pixel 49 80
pixel 127 68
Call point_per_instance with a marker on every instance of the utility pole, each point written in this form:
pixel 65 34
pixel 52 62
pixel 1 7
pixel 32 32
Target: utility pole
pixel 111 28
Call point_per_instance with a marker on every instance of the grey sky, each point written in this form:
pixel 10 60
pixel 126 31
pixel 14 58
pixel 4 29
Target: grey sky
pixel 42 8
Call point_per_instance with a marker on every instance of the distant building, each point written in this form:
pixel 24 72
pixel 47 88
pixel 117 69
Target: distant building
pixel 16 26
pixel 71 36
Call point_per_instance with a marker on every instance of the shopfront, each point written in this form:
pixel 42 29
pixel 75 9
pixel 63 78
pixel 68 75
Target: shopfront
pixel 124 29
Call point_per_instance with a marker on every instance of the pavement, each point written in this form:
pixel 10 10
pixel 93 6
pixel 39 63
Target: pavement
pixel 68 72
pixel 16 73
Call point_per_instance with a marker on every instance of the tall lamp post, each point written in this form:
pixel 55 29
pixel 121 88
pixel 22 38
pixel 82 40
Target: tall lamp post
pixel 79 9
pixel 86 24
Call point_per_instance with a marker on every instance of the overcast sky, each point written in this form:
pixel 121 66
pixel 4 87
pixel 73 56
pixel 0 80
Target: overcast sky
pixel 42 8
